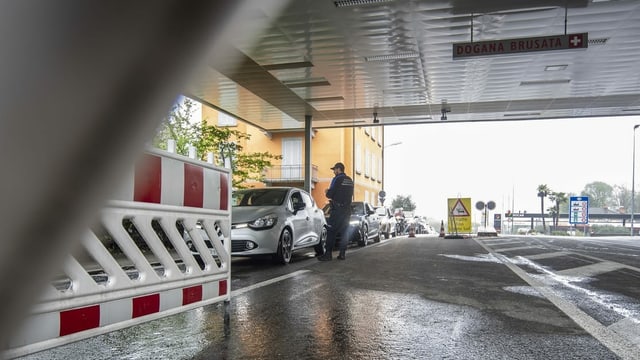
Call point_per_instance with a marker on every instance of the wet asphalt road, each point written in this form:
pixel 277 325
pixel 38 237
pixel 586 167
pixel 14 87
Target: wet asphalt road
pixel 410 298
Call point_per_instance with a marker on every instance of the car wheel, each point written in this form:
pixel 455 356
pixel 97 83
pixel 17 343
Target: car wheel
pixel 322 245
pixel 387 234
pixel 364 236
pixel 283 256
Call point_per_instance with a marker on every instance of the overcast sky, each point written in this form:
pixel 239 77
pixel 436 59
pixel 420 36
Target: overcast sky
pixel 505 162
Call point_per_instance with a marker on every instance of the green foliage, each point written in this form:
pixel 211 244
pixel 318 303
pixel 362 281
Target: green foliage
pixel 600 194
pixel 543 192
pixel 558 198
pixel 609 230
pixel 177 126
pixel 403 202
pixel 221 141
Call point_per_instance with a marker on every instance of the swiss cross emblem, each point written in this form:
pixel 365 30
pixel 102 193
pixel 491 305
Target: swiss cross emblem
pixel 576 41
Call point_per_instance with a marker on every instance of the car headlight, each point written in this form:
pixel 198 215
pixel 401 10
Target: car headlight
pixel 263 223
pixel 354 222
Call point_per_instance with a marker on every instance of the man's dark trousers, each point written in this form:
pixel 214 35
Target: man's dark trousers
pixel 338 224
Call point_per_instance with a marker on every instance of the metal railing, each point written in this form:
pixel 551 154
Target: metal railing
pixel 289 173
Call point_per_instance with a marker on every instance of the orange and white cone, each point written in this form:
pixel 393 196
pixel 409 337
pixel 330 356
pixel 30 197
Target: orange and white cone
pixel 442 229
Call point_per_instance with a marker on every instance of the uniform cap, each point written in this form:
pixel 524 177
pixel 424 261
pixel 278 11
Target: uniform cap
pixel 338 165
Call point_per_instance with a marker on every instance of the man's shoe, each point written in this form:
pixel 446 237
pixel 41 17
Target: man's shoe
pixel 341 257
pixel 324 258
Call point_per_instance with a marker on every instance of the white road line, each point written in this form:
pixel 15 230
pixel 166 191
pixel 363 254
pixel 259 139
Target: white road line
pixel 592 269
pixel 267 282
pixel 502 242
pixel 611 339
pixel 629 328
pixel 548 255
pixel 517 248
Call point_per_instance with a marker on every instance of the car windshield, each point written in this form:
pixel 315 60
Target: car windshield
pixel 357 209
pixel 259 197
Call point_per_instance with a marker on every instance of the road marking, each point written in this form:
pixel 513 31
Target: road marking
pixel 517 248
pixel 608 337
pixel 548 255
pixel 592 269
pixel 267 282
pixel 629 328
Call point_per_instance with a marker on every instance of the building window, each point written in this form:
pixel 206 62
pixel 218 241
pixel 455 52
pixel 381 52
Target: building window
pixel 226 120
pixel 292 158
pixel 358 156
pixel 374 163
pixel 367 163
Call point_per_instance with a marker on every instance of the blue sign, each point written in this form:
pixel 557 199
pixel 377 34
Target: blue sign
pixel 579 210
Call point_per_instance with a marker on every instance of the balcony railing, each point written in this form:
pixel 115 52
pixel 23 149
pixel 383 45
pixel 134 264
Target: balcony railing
pixel 289 173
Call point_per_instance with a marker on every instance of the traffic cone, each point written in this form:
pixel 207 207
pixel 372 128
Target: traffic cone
pixel 442 229
pixel 412 230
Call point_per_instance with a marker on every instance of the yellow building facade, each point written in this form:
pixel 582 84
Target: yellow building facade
pixel 359 148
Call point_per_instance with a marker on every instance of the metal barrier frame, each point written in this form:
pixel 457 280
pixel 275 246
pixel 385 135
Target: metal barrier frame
pixel 137 285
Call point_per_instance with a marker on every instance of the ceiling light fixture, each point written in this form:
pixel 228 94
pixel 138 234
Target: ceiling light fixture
pixel 306 83
pixel 419 90
pixel 328 98
pixel 349 122
pixel 397 56
pixel 523 114
pixel 291 65
pixel 346 3
pixel 545 82
pixel 444 109
pixel 417 118
pixel 600 41
pixel 555 67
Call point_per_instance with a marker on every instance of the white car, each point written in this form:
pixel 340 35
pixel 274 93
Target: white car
pixel 387 222
pixel 276 221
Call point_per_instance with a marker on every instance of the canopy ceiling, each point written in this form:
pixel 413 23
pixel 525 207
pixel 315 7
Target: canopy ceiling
pixel 342 61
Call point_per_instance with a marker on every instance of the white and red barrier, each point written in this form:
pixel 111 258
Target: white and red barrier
pixel 138 267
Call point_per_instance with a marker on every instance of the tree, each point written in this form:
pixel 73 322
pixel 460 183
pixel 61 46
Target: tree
pixel 600 194
pixel 221 141
pixel 403 202
pixel 543 192
pixel 621 197
pixel 558 198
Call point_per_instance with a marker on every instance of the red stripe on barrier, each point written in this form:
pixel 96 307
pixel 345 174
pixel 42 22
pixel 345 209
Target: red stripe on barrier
pixel 80 319
pixel 145 305
pixel 148 179
pixel 224 192
pixel 222 288
pixel 191 294
pixel 193 185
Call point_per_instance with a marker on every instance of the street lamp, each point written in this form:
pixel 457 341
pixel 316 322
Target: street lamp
pixel 383 170
pixel 633 177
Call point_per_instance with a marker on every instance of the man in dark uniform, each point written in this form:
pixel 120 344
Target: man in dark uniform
pixel 340 193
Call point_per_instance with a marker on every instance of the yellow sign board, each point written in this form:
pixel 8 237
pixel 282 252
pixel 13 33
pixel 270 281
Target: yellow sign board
pixel 459 210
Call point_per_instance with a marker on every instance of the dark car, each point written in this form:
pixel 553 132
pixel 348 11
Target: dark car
pixel 363 225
